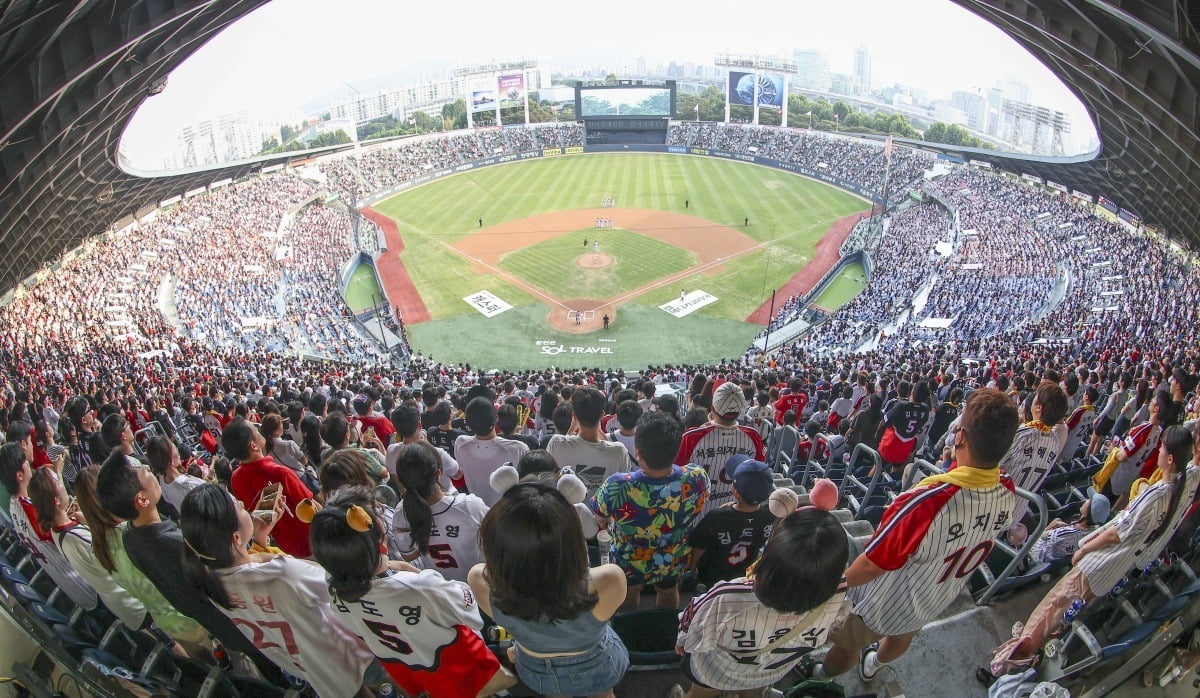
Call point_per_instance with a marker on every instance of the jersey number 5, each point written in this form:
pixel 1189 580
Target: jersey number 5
pixel 389 636
pixel 961 565
pixel 441 553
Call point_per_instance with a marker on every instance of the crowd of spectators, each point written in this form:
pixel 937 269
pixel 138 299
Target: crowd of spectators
pixel 97 344
pixel 859 162
pixel 356 175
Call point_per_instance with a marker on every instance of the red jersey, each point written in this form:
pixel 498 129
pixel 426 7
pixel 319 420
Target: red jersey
pixel 792 401
pixel 383 427
pixel 247 483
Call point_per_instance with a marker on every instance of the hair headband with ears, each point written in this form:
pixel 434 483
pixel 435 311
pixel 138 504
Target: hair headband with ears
pixel 824 496
pixel 569 485
pixel 357 518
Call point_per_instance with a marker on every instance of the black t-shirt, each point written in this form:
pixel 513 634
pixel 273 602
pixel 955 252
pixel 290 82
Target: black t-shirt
pixel 157 551
pixel 443 438
pixel 907 418
pixel 731 540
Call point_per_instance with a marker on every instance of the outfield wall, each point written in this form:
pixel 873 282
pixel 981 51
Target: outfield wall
pixel 576 150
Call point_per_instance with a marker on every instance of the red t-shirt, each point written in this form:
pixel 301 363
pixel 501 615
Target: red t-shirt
pixel 383 427
pixel 791 401
pixel 248 481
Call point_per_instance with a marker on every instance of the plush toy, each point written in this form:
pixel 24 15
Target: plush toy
pixel 823 496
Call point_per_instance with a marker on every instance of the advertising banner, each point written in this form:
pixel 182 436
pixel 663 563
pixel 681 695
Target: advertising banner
pixel 511 90
pixel 483 96
pixel 689 303
pixel 487 303
pixel 744 86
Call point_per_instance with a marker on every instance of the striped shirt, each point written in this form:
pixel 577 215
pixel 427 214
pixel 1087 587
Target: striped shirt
pixel 1140 445
pixel 709 446
pixel 1134 524
pixel 1079 427
pixel 930 541
pixel 1030 458
pixel 1190 483
pixel 719 628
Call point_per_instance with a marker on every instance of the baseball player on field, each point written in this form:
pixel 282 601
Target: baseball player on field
pixel 929 542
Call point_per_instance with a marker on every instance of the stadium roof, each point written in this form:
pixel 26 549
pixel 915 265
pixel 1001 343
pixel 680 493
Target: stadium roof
pixel 74 72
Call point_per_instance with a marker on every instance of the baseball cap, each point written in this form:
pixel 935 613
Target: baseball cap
pixel 1099 508
pixel 753 479
pixel 728 400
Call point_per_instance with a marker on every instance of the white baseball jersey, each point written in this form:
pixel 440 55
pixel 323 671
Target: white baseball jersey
pixel 1190 481
pixel 425 622
pixel 282 607
pixel 709 446
pixel 479 458
pixel 1033 453
pixel 1140 445
pixel 1134 524
pixel 450 467
pixel 453 537
pixel 1079 427
pixel 592 462
pixel 721 626
pixel 49 556
pixel 930 541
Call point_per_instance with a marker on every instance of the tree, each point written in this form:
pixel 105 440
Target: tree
pixel 454 114
pixel 268 145
pixel 952 134
pixel 287 133
pixel 337 137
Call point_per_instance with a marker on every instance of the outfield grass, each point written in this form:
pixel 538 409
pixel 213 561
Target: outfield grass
pixel 637 260
pixel 363 290
pixel 849 282
pixel 640 336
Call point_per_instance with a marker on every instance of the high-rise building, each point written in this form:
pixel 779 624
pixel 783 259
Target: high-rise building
pixel 214 141
pixel 641 66
pixel 974 105
pixel 862 69
pixel 812 71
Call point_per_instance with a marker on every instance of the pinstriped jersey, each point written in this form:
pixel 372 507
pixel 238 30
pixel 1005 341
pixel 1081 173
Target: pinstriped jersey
pixel 1134 524
pixel 1030 458
pixel 930 541
pixel 709 446
pixel 719 628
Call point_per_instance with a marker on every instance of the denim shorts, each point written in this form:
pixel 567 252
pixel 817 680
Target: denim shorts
pixel 594 671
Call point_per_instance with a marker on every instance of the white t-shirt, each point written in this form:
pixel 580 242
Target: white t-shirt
pixel 450 467
pixel 453 538
pixel 282 607
pixel 592 462
pixel 177 489
pixel 479 458
pixel 75 543
pixel 50 557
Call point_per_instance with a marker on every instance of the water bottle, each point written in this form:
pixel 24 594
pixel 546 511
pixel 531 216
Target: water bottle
pixel 387 690
pixel 604 542
pixel 1073 611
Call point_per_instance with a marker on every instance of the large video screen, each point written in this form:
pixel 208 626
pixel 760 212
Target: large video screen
pixel 744 86
pixel 625 101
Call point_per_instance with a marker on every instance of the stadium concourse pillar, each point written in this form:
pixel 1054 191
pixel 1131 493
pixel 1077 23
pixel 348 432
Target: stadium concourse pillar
pixel 783 115
pixel 525 86
pixel 728 85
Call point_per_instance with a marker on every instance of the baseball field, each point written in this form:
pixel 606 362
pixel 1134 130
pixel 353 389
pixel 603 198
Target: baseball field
pixel 526 233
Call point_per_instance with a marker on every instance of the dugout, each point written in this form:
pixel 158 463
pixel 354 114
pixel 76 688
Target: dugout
pixel 626 113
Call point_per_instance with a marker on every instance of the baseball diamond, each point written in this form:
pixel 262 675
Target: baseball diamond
pixel 541 251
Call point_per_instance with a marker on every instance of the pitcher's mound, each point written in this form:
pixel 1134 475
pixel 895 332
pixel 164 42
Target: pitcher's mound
pixel 594 260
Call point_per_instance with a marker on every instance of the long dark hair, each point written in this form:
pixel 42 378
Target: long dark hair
pixel 1177 441
pixel 417 471
pixel 100 521
pixel 270 424
pixel 310 429
pixel 208 519
pixel 349 556
pixel 537 563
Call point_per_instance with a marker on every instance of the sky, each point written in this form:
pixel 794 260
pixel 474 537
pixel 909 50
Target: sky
pixel 291 51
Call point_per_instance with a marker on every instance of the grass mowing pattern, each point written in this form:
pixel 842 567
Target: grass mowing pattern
pixel 849 282
pixel 791 212
pixel 640 336
pixel 638 260
pixel 363 290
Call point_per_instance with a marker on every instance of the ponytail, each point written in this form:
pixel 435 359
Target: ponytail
pixel 310 429
pixel 349 556
pixel 417 471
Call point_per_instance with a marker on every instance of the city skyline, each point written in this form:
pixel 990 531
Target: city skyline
pixel 931 45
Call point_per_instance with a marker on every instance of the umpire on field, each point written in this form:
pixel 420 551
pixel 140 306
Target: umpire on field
pixel 929 542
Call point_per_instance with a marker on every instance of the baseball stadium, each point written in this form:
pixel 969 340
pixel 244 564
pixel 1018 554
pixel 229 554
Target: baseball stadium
pixel 605 396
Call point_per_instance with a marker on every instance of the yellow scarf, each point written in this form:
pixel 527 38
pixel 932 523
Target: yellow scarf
pixel 967 478
pixel 1039 425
